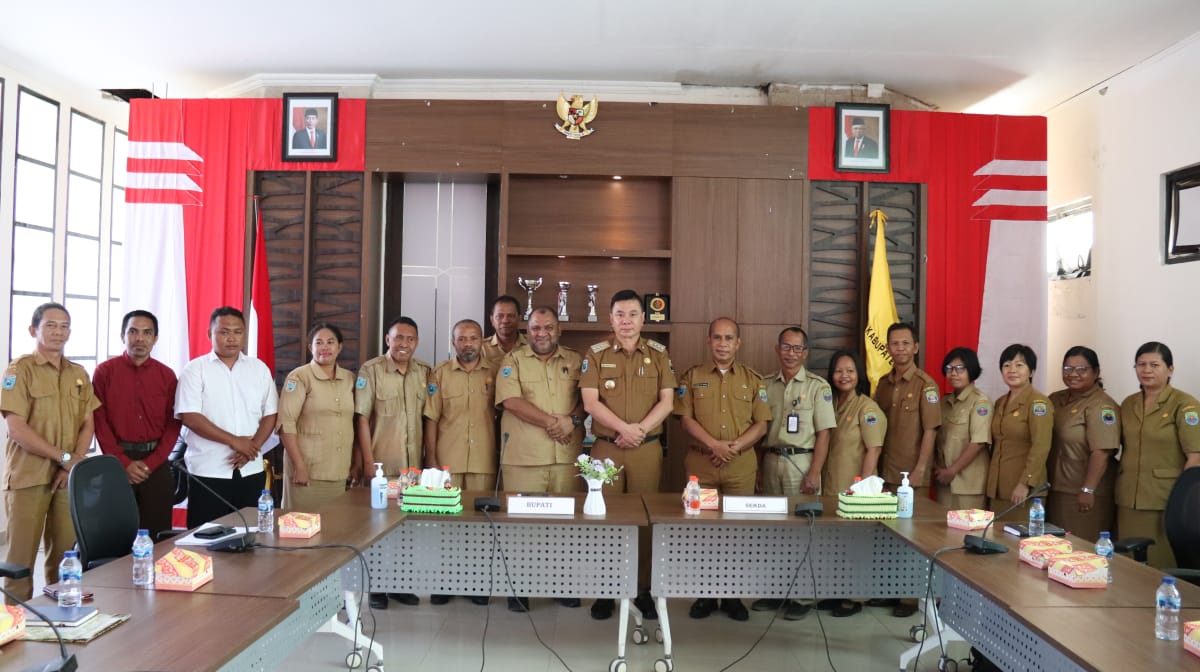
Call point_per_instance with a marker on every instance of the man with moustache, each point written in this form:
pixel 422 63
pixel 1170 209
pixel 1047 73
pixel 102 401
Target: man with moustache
pixel 389 401
pixel 136 423
pixel 505 318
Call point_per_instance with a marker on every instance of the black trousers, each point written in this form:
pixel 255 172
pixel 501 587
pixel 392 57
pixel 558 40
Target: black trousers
pixel 241 491
pixel 154 498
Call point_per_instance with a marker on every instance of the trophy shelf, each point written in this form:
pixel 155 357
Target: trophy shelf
pixel 588 252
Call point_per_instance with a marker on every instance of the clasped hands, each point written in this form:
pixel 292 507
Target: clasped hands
pixel 244 451
pixel 560 429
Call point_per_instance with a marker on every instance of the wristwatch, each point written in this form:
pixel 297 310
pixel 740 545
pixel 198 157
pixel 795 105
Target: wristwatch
pixel 64 460
pixel 577 420
pixel 1087 491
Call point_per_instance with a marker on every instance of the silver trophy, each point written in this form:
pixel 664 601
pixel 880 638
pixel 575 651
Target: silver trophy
pixel 592 302
pixel 563 286
pixel 529 286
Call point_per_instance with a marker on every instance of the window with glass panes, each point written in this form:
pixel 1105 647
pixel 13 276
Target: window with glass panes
pixel 82 267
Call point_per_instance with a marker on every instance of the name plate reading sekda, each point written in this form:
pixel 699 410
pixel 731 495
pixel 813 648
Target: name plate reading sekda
pixel 541 506
pixel 733 504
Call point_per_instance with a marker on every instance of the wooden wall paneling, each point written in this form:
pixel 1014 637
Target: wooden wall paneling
pixel 335 288
pixel 704 257
pixel 901 204
pixel 758 346
pixel 306 262
pixel 740 141
pixel 392 254
pixel 435 136
pixel 772 263
pixel 591 214
pixel 687 348
pixel 646 276
pixel 370 318
pixel 836 277
pixel 283 201
pixel 629 139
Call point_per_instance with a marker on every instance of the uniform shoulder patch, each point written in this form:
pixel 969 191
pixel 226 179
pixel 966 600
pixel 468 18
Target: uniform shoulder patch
pixel 1191 418
pixel 583 366
pixel 1108 415
pixel 981 409
pixel 682 392
pixel 656 345
pixel 432 389
pixel 600 347
pixel 290 385
pixel 1039 408
pixel 871 418
pixel 762 394
pixel 826 394
pixel 10 381
pixel 360 383
pixel 506 371
pixel 931 395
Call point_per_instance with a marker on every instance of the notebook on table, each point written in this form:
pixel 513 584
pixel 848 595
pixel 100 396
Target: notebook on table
pixel 1022 529
pixel 63 617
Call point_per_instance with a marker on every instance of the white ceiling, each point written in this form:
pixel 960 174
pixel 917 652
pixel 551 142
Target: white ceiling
pixel 1005 56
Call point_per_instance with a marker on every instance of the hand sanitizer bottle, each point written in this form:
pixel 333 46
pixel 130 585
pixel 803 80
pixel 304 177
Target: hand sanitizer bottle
pixel 904 498
pixel 379 488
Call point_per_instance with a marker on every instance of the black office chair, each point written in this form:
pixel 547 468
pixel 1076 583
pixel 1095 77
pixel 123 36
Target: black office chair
pixel 1182 524
pixel 103 510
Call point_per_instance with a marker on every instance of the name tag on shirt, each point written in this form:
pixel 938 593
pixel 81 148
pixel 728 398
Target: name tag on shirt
pixel 541 506
pixel 734 504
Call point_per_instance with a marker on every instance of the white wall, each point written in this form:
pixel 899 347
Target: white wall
pixel 1115 147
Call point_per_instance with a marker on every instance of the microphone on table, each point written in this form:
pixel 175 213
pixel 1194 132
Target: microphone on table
pixel 64 663
pixel 493 503
pixel 981 545
pixel 238 544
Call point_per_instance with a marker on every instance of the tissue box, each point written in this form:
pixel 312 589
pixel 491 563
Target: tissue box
pixel 12 623
pixel 1040 551
pixel 968 519
pixel 182 570
pixel 299 525
pixel 1080 570
pixel 1191 637
pixel 709 499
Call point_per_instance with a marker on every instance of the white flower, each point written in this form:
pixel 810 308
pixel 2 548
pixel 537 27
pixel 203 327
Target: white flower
pixel 609 463
pixel 583 458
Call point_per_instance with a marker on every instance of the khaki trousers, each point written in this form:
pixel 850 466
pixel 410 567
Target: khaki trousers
pixel 37 515
pixel 735 477
pixel 556 479
pixel 784 474
pixel 1062 509
pixel 959 502
pixel 643 469
pixel 1152 524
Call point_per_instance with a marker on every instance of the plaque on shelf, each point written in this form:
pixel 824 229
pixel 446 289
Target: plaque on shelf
pixel 658 307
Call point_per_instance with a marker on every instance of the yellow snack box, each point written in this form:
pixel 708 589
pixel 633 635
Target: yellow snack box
pixel 1039 551
pixel 1191 637
pixel 182 570
pixel 12 623
pixel 299 525
pixel 968 519
pixel 1080 570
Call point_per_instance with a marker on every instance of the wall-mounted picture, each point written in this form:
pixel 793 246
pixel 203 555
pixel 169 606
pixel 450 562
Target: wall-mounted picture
pixel 1182 211
pixel 863 137
pixel 310 126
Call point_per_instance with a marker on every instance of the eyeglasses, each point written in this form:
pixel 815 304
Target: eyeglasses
pixel 954 369
pixel 798 349
pixel 1076 370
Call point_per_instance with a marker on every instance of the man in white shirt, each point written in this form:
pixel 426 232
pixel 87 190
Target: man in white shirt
pixel 227 403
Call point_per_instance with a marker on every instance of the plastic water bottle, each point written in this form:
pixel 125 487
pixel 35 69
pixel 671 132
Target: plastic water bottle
pixel 904 497
pixel 266 513
pixel 379 488
pixel 70 581
pixel 143 560
pixel 1037 518
pixel 691 496
pixel 1104 549
pixel 1166 617
pixel 447 480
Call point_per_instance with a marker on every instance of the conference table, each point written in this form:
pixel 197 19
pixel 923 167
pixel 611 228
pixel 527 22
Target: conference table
pixel 292 591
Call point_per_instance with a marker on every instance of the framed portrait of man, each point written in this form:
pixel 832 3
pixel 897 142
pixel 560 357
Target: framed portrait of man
pixel 310 126
pixel 862 137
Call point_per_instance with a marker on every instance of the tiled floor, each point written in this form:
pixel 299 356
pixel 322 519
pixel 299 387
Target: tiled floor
pixel 451 637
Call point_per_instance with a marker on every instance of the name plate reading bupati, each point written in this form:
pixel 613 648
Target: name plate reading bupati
pixel 541 506
pixel 732 504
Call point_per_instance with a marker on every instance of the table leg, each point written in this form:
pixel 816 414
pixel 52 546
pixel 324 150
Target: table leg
pixel 920 633
pixel 664 664
pixel 353 632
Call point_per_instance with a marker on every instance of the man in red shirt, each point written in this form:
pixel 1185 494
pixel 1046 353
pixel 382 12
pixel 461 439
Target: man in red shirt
pixel 136 422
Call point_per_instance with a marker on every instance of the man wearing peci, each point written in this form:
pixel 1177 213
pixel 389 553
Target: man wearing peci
pixel 309 137
pixel 858 145
pixel 47 402
pixel 137 423
pixel 628 387
pixel 227 402
pixel 389 400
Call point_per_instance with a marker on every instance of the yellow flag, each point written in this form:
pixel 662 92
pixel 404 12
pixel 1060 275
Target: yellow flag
pixel 881 307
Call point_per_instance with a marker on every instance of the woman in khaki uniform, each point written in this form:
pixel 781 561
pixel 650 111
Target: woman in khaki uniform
pixel 1161 430
pixel 854 443
pixel 1022 430
pixel 961 454
pixel 316 410
pixel 1087 431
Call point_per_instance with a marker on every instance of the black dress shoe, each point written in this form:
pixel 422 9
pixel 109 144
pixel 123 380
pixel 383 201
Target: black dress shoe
pixel 603 609
pixel 702 608
pixel 796 610
pixel 831 604
pixel 882 602
pixel 439 599
pixel 518 604
pixel 846 608
pixel 378 601
pixel 569 602
pixel 765 604
pixel 481 600
pixel 904 610
pixel 405 598
pixel 735 609
pixel 645 604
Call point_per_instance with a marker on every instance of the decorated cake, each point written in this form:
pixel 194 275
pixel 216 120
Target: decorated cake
pixel 12 623
pixel 299 525
pixel 1191 637
pixel 1080 570
pixel 968 519
pixel 866 507
pixel 1040 551
pixel 182 570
